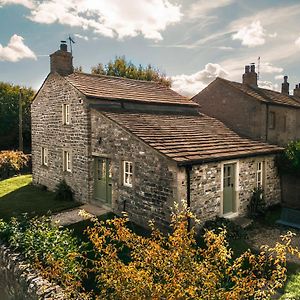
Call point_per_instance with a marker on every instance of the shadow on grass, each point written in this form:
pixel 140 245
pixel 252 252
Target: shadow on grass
pixel 32 200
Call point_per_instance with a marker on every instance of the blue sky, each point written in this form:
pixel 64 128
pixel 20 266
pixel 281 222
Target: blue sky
pixel 191 41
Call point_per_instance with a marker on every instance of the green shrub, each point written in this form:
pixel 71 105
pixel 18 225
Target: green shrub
pixel 12 163
pixel 289 161
pixel 233 231
pixel 47 246
pixel 63 192
pixel 257 204
pixel 292 289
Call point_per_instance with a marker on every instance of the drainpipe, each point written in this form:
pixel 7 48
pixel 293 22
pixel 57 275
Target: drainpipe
pixel 188 169
pixel 267 121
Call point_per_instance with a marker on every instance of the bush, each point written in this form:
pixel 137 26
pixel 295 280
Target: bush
pixel 63 192
pixel 233 231
pixel 257 204
pixel 12 163
pixel 292 289
pixel 51 249
pixel 289 161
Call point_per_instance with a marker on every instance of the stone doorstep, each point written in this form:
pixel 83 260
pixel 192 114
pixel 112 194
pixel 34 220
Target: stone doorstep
pixel 242 221
pixel 73 216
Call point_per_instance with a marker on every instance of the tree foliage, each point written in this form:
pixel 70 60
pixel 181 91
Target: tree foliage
pixel 123 68
pixel 9 115
pixel 175 267
pixel 12 162
pixel 289 161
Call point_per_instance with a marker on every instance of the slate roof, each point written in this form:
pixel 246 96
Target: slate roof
pixel 189 138
pixel 118 88
pixel 265 95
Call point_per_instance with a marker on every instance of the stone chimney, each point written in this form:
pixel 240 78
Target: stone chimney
pixel 285 87
pixel 250 76
pixel 61 61
pixel 297 90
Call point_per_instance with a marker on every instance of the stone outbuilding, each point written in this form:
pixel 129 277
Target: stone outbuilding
pixel 254 112
pixel 137 146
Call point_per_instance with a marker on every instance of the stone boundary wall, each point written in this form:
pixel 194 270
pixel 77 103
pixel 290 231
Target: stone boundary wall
pixel 290 191
pixel 20 281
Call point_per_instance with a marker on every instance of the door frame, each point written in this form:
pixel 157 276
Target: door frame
pixel 99 201
pixel 236 189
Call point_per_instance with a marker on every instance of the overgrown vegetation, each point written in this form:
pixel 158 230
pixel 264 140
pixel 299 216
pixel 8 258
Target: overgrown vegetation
pixel 12 163
pixel 9 111
pixel 126 265
pixel 52 250
pixel 289 161
pixel 292 289
pixel 123 68
pixel 63 192
pixel 233 231
pixel 257 204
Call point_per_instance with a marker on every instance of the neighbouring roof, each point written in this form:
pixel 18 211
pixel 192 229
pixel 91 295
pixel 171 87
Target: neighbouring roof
pixel 189 138
pixel 265 95
pixel 118 88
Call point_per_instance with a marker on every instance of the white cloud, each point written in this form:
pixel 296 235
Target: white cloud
pixel 268 85
pixel 26 3
pixel 114 18
pixel 83 37
pixel 15 50
pixel 251 35
pixel 279 77
pixel 297 42
pixel 267 67
pixel 203 7
pixel 225 48
pixel 190 85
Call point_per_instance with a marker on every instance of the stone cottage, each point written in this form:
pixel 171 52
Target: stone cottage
pixel 137 146
pixel 251 111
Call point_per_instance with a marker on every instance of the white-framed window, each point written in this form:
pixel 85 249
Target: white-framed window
pixel 44 156
pixel 260 174
pixel 66 114
pixel 67 161
pixel 127 173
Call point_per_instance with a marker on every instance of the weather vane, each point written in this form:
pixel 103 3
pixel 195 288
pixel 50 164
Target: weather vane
pixel 71 41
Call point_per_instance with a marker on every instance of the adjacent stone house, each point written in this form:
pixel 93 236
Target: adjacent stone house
pixel 138 146
pixel 251 111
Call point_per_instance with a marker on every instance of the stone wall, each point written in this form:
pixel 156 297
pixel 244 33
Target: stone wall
pixel 206 186
pixel 154 187
pixel 291 191
pixel 48 131
pixel 18 281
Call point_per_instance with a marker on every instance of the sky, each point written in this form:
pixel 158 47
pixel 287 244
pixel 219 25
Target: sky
pixel 192 41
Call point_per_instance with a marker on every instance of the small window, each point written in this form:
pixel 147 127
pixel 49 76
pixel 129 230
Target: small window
pixel 44 156
pixel 66 114
pixel 127 173
pixel 272 120
pixel 259 174
pixel 67 161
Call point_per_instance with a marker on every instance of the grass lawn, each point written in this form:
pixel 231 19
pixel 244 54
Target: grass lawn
pixel 18 196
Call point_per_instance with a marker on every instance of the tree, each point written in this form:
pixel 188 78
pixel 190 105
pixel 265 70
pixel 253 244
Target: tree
pixel 129 266
pixel 122 68
pixel 9 109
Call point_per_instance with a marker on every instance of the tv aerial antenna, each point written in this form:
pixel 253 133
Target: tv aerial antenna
pixel 258 68
pixel 71 41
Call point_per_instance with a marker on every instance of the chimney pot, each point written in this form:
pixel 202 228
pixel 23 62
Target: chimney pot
pixel 61 61
pixel 297 90
pixel 63 46
pixel 250 78
pixel 285 86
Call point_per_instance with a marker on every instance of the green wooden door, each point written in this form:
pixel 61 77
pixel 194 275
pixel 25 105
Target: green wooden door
pixel 103 180
pixel 228 188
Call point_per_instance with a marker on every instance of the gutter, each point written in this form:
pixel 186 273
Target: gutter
pixel 188 169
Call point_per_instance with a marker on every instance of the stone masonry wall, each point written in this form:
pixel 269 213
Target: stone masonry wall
pixel 19 281
pixel 154 187
pixel 206 193
pixel 48 131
